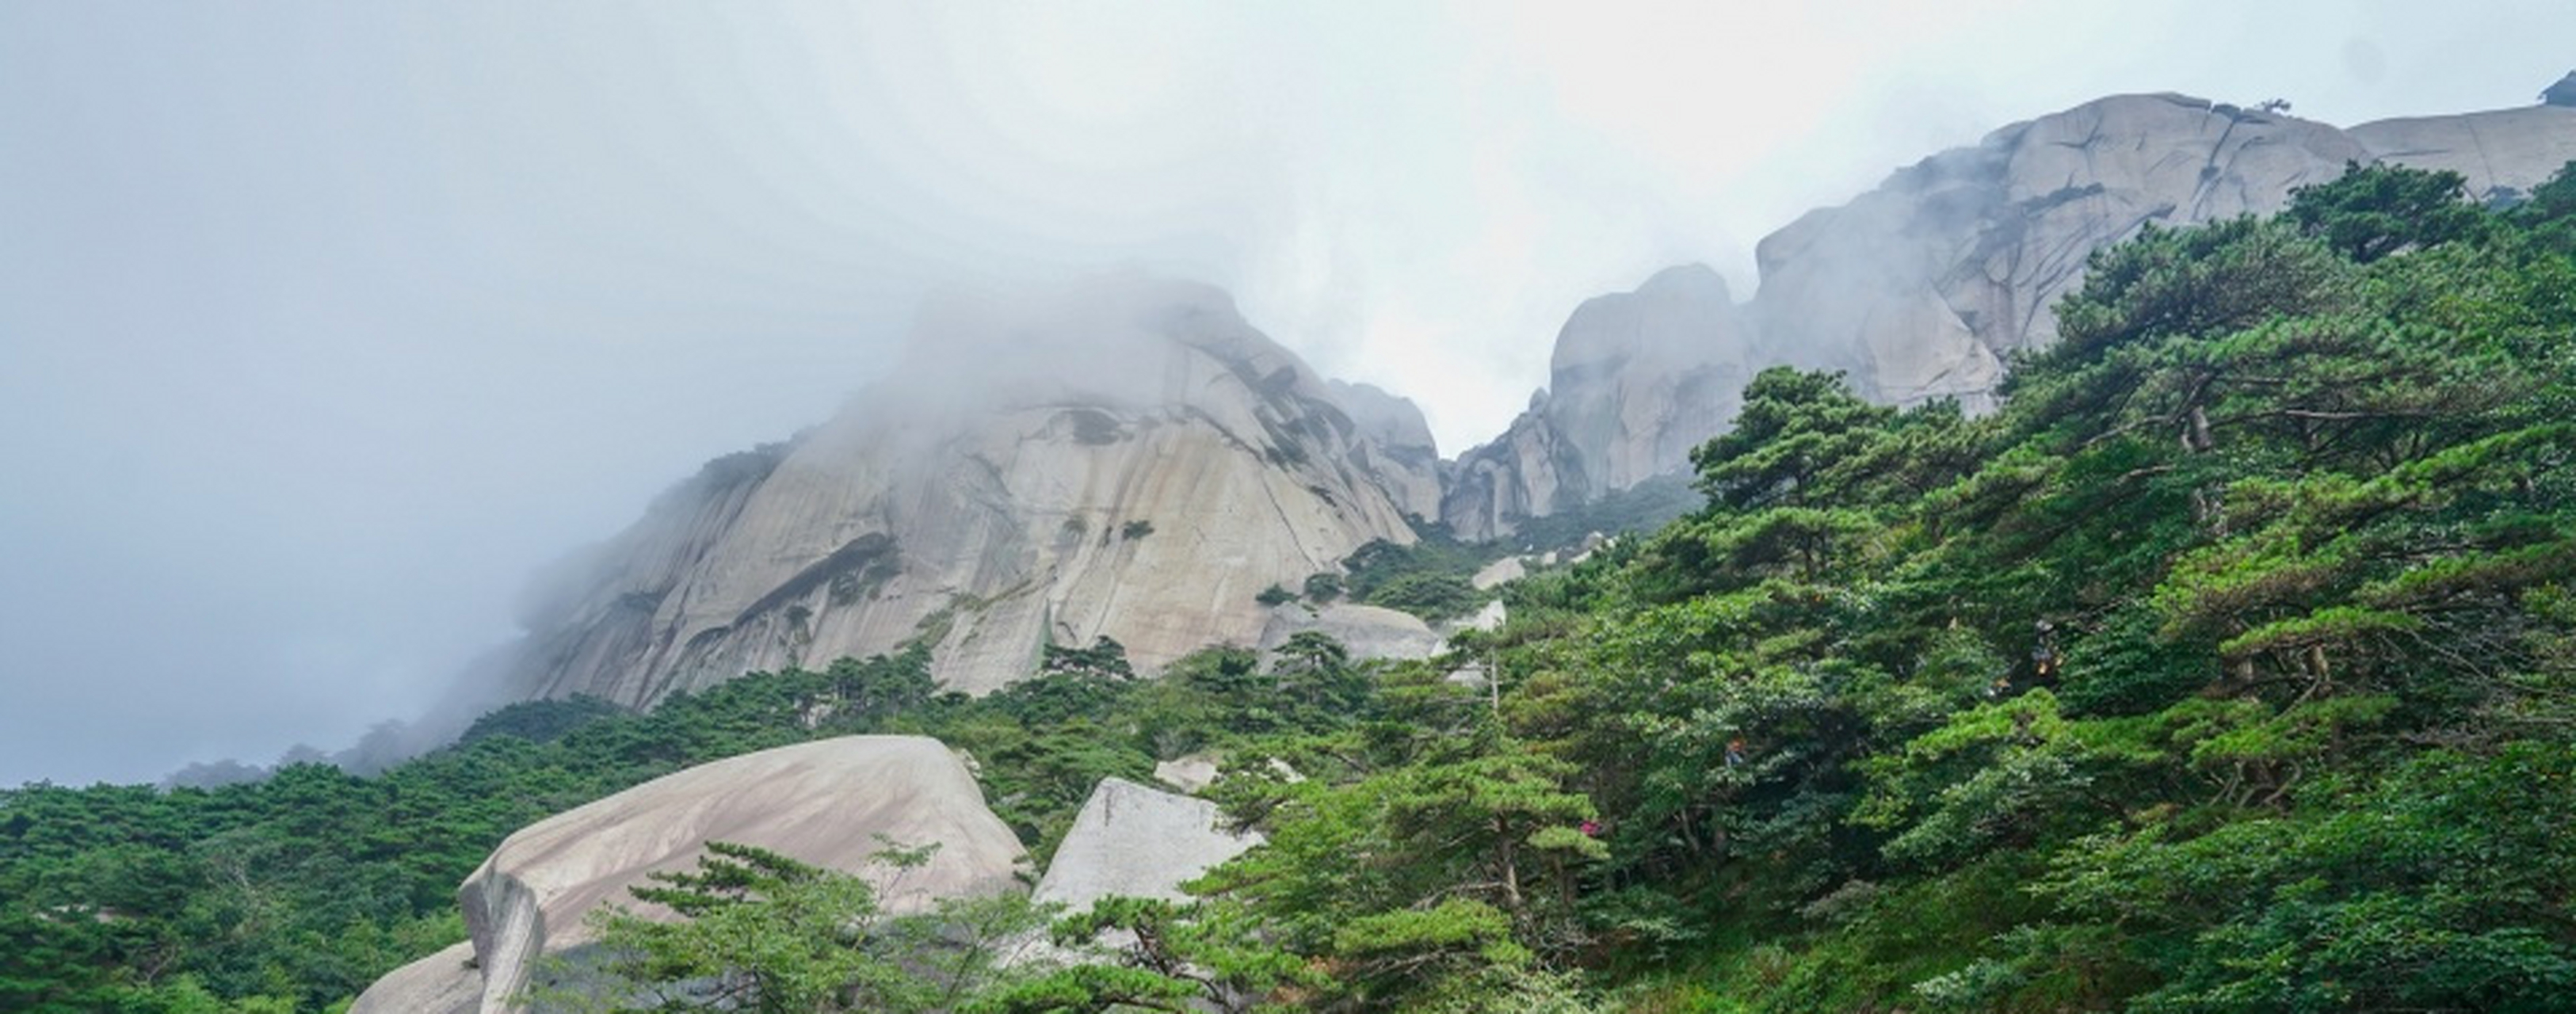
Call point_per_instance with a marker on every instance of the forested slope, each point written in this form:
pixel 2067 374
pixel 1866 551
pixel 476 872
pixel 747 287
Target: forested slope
pixel 2227 667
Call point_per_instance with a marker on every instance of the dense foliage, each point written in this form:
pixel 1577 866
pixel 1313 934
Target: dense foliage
pixel 2230 666
pixel 2226 668
pixel 295 892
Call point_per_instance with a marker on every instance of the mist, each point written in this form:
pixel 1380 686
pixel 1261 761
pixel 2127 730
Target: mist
pixel 323 327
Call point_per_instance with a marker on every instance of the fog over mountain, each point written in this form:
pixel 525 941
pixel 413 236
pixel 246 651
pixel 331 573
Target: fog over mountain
pixel 323 327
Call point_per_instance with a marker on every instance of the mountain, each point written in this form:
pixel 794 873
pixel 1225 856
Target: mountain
pixel 1399 449
pixel 1135 461
pixel 1924 287
pixel 1128 460
pixel 1637 380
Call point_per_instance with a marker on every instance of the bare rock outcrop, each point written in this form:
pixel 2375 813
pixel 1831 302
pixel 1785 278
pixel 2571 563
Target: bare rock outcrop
pixel 1134 841
pixel 1129 460
pixel 442 983
pixel 1499 573
pixel 1364 631
pixel 824 803
pixel 1637 380
pixel 1922 287
pixel 1398 450
pixel 2502 154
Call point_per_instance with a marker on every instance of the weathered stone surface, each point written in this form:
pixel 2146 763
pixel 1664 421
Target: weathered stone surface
pixel 1637 380
pixel 1397 449
pixel 2503 154
pixel 1490 618
pixel 1134 841
pixel 442 983
pixel 1188 774
pixel 1921 287
pixel 1498 573
pixel 824 803
pixel 1366 631
pixel 1131 460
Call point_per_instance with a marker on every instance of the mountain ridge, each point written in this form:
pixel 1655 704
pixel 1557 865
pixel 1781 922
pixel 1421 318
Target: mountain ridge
pixel 1136 462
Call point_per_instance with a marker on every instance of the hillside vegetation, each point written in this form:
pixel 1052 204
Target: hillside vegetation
pixel 2230 666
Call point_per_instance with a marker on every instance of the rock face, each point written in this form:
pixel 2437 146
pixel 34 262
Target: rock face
pixel 1130 460
pixel 2503 153
pixel 1367 631
pixel 1133 460
pixel 1921 287
pixel 1636 381
pixel 1137 842
pixel 1399 451
pixel 822 803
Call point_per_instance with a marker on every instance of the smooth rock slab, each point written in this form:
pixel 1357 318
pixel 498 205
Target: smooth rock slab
pixel 1137 842
pixel 1366 631
pixel 442 983
pixel 1500 572
pixel 824 803
pixel 1188 774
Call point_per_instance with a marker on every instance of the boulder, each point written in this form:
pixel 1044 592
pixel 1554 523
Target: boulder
pixel 1134 841
pixel 1188 774
pixel 1488 619
pixel 442 983
pixel 1366 631
pixel 1500 572
pixel 824 803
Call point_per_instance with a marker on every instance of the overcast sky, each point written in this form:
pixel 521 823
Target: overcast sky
pixel 322 324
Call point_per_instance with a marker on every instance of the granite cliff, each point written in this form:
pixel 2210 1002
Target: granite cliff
pixel 1637 379
pixel 1924 287
pixel 1135 461
pixel 1130 461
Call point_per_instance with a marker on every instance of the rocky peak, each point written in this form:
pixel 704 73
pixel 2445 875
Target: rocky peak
pixel 1396 445
pixel 1394 421
pixel 1921 287
pixel 1636 380
pixel 2561 94
pixel 1126 458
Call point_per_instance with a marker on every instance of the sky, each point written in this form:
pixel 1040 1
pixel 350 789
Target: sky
pixel 322 325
